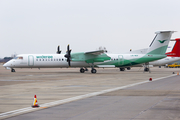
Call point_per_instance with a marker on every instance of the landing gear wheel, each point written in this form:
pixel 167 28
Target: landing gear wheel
pixel 146 69
pixel 128 68
pixel 82 70
pixel 13 70
pixel 122 69
pixel 93 71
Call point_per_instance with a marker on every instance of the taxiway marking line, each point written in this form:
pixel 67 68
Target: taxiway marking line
pixel 46 105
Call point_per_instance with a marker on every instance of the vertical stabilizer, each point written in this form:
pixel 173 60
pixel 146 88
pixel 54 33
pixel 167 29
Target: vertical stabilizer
pixel 160 43
pixel 176 49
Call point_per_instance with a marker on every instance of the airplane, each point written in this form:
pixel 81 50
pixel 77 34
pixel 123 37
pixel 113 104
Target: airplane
pixel 172 56
pixel 93 59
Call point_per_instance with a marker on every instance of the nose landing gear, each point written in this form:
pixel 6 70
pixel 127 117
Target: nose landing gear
pixel 13 70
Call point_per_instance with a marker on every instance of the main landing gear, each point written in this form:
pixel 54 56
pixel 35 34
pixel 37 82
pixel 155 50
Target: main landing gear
pixel 82 70
pixel 13 70
pixel 123 69
pixel 146 67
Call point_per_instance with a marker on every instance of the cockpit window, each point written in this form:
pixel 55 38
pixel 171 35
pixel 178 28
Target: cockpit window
pixel 21 58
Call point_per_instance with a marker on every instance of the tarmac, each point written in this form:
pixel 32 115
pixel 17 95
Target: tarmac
pixel 17 89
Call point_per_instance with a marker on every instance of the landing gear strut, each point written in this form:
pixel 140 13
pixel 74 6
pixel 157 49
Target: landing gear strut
pixel 93 70
pixel 13 70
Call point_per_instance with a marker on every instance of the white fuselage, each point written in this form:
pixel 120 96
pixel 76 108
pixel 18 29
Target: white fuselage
pixel 164 61
pixel 59 61
pixel 40 61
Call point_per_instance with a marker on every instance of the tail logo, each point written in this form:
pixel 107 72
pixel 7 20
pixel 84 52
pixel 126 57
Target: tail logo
pixel 161 41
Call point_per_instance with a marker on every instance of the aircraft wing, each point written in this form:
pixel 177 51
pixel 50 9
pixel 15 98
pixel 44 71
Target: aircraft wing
pixel 98 52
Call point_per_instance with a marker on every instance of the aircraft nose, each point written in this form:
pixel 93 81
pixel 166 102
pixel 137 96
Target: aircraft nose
pixel 7 64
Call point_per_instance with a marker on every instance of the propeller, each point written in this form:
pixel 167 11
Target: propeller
pixel 68 55
pixel 58 50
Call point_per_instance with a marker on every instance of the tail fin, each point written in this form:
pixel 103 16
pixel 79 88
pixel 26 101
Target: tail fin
pixel 160 43
pixel 176 49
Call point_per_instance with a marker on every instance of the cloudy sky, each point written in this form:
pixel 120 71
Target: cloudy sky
pixel 39 26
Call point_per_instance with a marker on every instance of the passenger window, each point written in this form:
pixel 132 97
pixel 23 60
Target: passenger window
pixel 51 59
pixel 62 59
pixel 15 57
pixel 21 58
pixel 36 59
pixel 59 59
pixel 39 59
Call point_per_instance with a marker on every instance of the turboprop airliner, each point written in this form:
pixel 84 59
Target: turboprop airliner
pixel 93 59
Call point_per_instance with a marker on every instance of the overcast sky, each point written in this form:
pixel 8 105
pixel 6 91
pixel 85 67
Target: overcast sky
pixel 39 26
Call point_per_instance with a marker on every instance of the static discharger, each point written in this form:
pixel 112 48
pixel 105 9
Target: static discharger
pixel 35 104
pixel 150 79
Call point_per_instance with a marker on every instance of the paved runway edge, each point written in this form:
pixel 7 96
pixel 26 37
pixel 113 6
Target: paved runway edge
pixel 46 105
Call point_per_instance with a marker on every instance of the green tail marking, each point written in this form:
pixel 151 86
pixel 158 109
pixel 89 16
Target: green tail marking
pixel 162 41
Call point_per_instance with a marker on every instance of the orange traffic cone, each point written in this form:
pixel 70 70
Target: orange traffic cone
pixel 177 73
pixel 35 104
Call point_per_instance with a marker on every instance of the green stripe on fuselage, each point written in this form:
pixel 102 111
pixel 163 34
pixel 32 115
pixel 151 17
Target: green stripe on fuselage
pixel 131 62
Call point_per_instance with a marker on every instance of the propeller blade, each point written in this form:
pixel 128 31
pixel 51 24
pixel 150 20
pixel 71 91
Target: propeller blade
pixel 68 55
pixel 68 48
pixel 58 50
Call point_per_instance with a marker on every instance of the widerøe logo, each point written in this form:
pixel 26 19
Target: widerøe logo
pixel 162 41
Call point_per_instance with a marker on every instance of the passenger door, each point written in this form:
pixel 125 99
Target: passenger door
pixel 120 60
pixel 30 60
